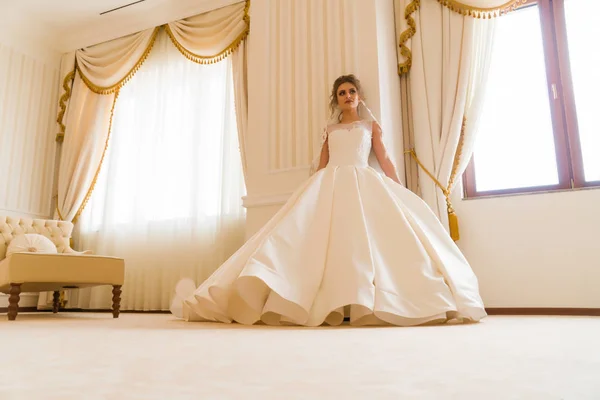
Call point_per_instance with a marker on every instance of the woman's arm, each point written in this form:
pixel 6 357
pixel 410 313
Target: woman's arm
pixel 324 155
pixel 382 156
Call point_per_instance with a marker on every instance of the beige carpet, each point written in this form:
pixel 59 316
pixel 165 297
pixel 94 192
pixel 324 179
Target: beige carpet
pixel 150 356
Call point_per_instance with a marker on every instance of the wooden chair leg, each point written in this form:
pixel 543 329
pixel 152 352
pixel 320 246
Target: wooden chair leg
pixel 13 301
pixel 55 301
pixel 116 306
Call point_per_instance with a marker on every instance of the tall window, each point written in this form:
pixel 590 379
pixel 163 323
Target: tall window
pixel 173 152
pixel 540 125
pixel 168 197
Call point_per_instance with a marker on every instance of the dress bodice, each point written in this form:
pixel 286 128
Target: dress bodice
pixel 349 144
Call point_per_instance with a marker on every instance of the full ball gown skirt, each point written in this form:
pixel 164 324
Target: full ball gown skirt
pixel 348 243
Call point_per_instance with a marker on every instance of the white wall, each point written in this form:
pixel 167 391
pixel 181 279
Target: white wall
pixel 28 94
pixel 297 49
pixel 389 82
pixel 540 250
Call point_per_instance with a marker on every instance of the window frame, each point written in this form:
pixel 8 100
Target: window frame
pixel 570 109
pixel 569 157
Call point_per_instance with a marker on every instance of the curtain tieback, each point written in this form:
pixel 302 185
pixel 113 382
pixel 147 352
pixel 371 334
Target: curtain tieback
pixel 452 218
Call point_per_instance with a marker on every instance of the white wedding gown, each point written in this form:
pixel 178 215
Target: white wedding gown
pixel 348 243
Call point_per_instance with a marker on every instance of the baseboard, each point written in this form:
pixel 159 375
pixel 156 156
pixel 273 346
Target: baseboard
pixel 587 312
pixel 591 312
pixel 81 310
pixel 110 311
pixel 4 310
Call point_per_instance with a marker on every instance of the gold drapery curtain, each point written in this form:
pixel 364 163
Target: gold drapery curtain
pixel 443 70
pixel 406 26
pixel 482 8
pixel 67 75
pixel 93 76
pixel 107 67
pixel 200 38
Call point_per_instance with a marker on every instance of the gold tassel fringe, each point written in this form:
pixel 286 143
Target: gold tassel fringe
pixel 67 81
pixel 206 60
pixel 114 88
pixel 188 54
pixel 410 9
pixel 483 13
pixel 93 184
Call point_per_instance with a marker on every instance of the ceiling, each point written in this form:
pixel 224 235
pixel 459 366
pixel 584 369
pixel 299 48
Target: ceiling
pixel 67 25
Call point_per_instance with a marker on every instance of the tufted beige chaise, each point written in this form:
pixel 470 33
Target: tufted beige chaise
pixel 31 272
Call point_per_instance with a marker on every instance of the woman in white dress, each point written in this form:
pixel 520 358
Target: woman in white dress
pixel 350 242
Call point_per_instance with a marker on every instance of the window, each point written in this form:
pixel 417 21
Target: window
pixel 173 153
pixel 540 124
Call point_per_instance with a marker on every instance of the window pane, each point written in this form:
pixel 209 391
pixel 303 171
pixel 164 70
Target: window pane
pixel 515 142
pixel 583 30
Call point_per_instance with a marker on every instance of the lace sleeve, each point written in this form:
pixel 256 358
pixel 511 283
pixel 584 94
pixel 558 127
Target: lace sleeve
pixel 317 157
pixel 324 135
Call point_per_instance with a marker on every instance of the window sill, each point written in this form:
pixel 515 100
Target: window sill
pixel 531 193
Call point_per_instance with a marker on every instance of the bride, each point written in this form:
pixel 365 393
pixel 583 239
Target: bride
pixel 349 242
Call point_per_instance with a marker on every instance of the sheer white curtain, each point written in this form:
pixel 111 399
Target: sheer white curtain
pixel 448 79
pixel 448 52
pixel 168 198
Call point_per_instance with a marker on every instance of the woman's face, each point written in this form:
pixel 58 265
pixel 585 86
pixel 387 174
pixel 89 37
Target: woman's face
pixel 347 96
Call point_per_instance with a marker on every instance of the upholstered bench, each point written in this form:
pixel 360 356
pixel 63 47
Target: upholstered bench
pixel 33 271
